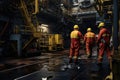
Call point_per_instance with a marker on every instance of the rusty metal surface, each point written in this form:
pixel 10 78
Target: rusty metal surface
pixel 54 66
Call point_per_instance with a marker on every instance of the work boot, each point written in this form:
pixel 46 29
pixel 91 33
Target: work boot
pixel 99 64
pixel 76 61
pixel 88 55
pixel 70 60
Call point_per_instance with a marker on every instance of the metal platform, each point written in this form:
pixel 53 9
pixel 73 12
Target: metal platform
pixel 54 66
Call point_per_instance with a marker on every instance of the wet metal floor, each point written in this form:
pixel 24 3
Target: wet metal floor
pixel 54 66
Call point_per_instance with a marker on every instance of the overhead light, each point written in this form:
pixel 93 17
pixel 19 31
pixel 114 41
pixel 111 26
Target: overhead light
pixel 43 28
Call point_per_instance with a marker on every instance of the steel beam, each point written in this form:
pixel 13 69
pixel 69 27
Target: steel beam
pixel 115 24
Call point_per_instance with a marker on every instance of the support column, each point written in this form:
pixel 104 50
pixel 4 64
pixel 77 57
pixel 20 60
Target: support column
pixel 17 38
pixel 115 24
pixel 116 56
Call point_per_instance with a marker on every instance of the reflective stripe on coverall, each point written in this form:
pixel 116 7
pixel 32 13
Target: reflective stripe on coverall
pixel 75 43
pixel 104 41
pixel 89 39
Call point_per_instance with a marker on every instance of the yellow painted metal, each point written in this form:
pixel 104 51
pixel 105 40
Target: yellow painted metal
pixel 102 1
pixel 36 7
pixel 58 39
pixel 27 15
pixel 37 34
pixel 101 5
pixel 50 42
pixel 28 18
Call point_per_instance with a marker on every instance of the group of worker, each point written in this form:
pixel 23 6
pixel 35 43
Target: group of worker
pixel 90 40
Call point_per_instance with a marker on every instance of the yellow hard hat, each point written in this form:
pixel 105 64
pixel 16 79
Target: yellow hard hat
pixel 89 29
pixel 76 26
pixel 101 24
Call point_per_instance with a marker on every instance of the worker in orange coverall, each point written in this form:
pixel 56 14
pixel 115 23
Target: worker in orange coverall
pixel 75 36
pixel 89 39
pixel 103 41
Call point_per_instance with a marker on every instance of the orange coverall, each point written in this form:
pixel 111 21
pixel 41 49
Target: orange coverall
pixel 104 41
pixel 75 36
pixel 89 39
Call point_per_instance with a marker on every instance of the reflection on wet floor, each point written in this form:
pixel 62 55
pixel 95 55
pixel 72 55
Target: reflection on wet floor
pixel 56 67
pixel 87 71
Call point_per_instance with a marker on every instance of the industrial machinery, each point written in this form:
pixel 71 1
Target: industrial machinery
pixel 31 35
pixel 22 34
pixel 19 19
pixel 27 35
pixel 50 42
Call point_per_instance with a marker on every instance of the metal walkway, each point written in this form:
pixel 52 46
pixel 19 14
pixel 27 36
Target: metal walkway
pixel 55 67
